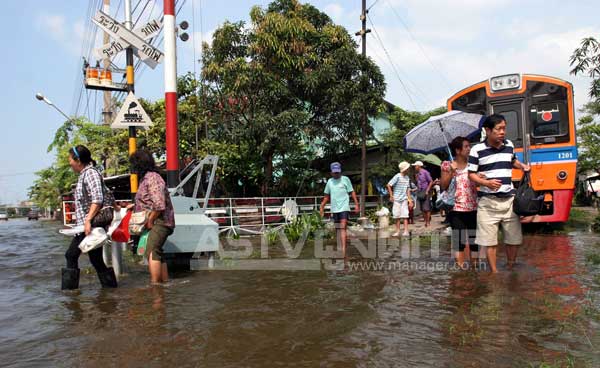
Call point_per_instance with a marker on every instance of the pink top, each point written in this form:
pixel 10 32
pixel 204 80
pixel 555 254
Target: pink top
pixel 465 199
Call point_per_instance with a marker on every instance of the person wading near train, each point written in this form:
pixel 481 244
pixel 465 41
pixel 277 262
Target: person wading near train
pixel 153 197
pixel 463 215
pixel 490 167
pixel 400 194
pixel 424 184
pixel 90 198
pixel 338 190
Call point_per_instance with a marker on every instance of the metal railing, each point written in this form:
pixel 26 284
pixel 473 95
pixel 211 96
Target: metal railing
pixel 252 215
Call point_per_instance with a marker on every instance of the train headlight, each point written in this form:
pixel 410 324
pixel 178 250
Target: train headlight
pixel 562 175
pixel 503 82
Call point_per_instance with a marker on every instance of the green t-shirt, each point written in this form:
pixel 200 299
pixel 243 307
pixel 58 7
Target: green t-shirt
pixel 338 190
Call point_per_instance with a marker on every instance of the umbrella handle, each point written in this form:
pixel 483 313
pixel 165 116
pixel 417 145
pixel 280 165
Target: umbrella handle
pixel 444 136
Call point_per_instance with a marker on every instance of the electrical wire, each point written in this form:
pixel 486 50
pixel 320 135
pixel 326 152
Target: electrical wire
pixel 434 67
pixel 424 99
pixel 372 5
pixel 392 63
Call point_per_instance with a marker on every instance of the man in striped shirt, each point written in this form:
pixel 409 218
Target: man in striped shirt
pixel 490 167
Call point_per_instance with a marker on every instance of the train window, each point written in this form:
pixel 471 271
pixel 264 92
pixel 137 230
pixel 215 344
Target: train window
pixel 549 120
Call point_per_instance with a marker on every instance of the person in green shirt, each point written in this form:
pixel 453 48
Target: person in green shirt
pixel 336 190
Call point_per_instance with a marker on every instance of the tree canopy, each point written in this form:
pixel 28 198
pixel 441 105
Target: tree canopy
pixel 290 78
pixel 274 94
pixel 586 60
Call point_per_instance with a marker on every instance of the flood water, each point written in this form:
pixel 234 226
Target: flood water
pixel 545 311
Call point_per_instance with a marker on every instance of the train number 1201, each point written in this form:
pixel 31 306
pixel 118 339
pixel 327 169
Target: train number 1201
pixel 565 155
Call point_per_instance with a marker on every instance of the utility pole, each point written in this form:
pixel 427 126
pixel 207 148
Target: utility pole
pixel 363 157
pixel 171 94
pixel 133 179
pixel 107 110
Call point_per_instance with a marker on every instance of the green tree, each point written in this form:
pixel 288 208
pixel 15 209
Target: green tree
pixel 589 137
pixel 107 147
pixel 290 78
pixel 402 122
pixel 586 60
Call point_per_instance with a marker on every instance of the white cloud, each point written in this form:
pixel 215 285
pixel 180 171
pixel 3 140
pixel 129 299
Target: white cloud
pixel 468 48
pixel 335 11
pixel 53 24
pixel 68 34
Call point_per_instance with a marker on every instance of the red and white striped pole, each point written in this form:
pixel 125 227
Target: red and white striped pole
pixel 171 94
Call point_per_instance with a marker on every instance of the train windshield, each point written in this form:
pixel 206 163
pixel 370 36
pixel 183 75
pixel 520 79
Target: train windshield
pixel 549 120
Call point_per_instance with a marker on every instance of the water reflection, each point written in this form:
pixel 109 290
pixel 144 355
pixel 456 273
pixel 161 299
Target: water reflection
pixel 395 317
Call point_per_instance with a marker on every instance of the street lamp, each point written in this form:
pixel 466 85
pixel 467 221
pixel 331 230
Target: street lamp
pixel 41 97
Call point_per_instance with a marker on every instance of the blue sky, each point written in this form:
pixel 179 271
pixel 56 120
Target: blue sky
pixel 437 47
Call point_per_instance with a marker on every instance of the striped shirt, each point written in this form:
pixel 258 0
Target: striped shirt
pixel 494 163
pixel 400 184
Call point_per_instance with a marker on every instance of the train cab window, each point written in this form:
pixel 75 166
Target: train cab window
pixel 549 120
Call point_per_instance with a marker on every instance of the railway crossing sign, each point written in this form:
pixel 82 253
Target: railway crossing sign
pixel 132 114
pixel 146 52
pixel 147 31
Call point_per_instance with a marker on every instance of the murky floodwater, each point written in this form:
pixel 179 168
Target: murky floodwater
pixel 547 311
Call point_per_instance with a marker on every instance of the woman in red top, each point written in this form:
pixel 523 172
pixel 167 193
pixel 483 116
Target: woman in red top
pixel 463 216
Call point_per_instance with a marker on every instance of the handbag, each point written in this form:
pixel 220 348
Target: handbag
pixel 527 202
pixel 142 243
pixel 104 217
pixel 448 197
pixel 96 239
pixel 137 222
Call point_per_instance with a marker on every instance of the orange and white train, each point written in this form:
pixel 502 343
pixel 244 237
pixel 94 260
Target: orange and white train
pixel 539 113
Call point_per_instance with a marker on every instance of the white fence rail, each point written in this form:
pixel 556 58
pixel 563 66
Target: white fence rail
pixel 251 215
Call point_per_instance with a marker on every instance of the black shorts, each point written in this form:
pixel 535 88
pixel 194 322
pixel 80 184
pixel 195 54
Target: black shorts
pixel 425 204
pixel 339 216
pixel 464 227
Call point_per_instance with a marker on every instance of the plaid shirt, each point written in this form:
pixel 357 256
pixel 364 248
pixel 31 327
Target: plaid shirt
pixel 153 195
pixel 92 180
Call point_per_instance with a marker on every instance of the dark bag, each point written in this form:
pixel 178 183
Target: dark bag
pixel 527 202
pixel 105 216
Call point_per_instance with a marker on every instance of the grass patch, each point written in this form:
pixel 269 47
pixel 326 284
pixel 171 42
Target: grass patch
pixel 593 258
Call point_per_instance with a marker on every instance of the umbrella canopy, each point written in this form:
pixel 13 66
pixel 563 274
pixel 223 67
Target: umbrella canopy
pixel 435 133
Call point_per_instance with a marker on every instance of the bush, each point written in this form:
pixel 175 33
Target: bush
pixel 596 224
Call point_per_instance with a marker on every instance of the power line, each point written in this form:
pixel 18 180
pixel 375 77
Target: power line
pixel 424 99
pixel 372 5
pixel 435 68
pixel 391 62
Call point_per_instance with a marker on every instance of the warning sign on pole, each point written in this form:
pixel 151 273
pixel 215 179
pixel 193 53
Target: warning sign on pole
pixel 132 114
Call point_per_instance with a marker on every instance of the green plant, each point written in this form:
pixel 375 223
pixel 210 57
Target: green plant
pixel 304 226
pixel 593 258
pixel 596 224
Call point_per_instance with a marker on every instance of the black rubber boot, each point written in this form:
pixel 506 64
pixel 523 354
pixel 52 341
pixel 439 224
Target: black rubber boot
pixel 108 278
pixel 70 278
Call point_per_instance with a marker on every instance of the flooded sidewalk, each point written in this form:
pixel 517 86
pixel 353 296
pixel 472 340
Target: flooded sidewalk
pixel 544 312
